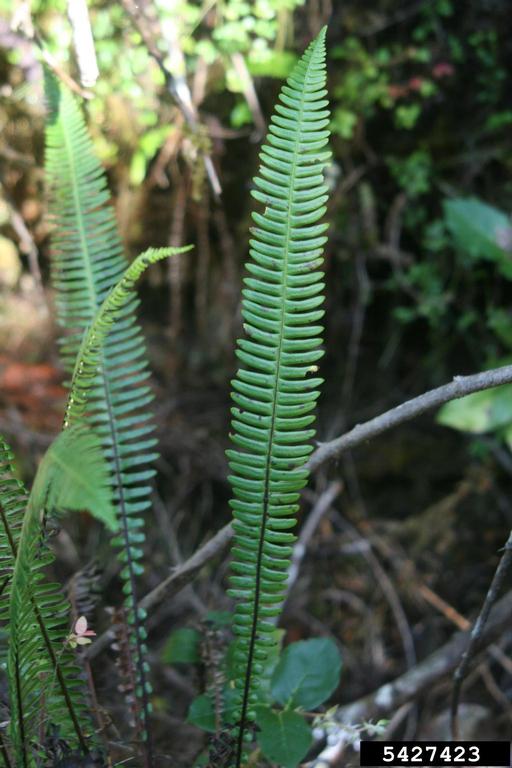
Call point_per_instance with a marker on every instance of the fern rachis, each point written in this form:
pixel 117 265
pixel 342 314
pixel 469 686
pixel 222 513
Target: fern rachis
pixel 273 395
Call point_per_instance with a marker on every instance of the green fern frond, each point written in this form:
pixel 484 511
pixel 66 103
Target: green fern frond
pixel 44 681
pixel 275 389
pixel 87 260
pixel 91 350
pixel 64 706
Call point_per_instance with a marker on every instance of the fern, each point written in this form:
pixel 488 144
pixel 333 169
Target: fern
pixel 44 683
pixel 87 261
pixel 95 338
pixel 274 390
pixel 65 705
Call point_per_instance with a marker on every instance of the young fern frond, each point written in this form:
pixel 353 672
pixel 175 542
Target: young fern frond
pixel 275 390
pixel 44 681
pixel 87 260
pixel 91 349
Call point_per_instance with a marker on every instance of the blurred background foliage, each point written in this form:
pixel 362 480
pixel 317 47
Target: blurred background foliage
pixel 419 261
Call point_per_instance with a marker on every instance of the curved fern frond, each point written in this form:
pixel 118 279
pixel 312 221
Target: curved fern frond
pixel 87 260
pixel 91 349
pixel 44 682
pixel 275 390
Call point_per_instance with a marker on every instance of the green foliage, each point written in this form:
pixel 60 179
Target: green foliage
pixel 182 647
pixel 44 684
pixel 284 736
pixel 480 231
pixel 90 354
pixel 307 673
pixel 302 677
pixel 13 501
pixel 275 391
pixel 72 475
pixel 413 173
pixel 481 412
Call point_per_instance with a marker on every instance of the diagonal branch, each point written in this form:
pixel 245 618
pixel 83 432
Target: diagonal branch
pixel 173 584
pixel 459 387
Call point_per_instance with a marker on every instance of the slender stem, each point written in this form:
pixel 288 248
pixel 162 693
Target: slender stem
pixel 476 633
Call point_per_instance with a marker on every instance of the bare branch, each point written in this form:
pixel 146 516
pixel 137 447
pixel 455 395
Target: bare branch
pixel 460 673
pixel 459 387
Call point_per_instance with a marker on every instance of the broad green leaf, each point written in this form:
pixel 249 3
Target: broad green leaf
pixel 202 713
pixel 284 737
pixel 307 673
pixel 481 231
pixel 182 647
pixel 480 412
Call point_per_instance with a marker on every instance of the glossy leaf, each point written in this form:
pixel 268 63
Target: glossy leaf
pixel 481 231
pixel 479 412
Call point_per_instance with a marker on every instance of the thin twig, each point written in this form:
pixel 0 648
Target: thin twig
pixel 320 509
pixel 250 94
pixel 389 591
pixel 460 673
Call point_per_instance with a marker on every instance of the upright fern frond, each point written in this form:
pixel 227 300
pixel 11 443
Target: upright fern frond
pixel 87 261
pixel 275 389
pixel 45 688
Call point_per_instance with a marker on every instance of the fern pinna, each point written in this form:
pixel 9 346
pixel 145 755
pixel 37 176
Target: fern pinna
pixel 275 390
pixel 87 260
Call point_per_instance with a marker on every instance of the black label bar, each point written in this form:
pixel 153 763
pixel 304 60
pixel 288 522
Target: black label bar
pixel 436 753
